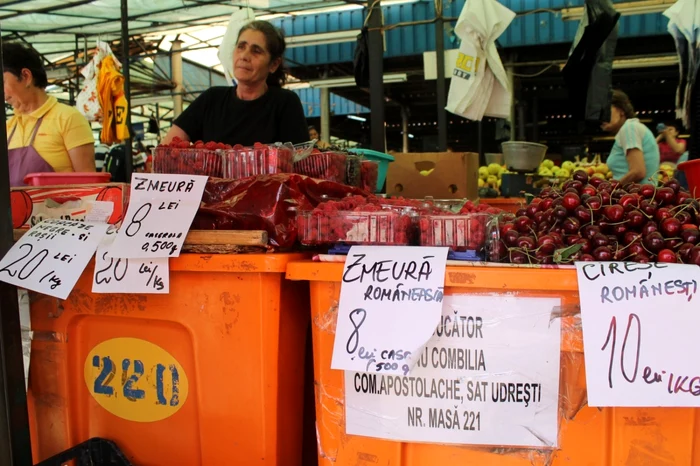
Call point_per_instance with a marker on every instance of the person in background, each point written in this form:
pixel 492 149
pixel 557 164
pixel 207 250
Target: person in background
pixel 43 135
pixel 313 135
pixel 671 148
pixel 635 155
pixel 101 151
pixel 258 108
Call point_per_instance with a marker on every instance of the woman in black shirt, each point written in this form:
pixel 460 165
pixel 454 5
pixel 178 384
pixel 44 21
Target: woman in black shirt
pixel 258 109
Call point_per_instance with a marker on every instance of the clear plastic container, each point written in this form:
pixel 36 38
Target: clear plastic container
pixel 374 228
pixel 329 166
pixel 190 161
pixel 242 162
pixel 369 174
pixel 458 232
pixel 353 174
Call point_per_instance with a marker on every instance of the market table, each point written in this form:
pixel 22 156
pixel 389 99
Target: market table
pixel 587 436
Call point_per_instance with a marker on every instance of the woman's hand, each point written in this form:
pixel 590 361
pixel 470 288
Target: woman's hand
pixel 175 132
pixel 638 170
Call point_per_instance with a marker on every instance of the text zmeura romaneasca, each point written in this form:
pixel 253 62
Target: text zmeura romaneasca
pixel 639 323
pixel 390 304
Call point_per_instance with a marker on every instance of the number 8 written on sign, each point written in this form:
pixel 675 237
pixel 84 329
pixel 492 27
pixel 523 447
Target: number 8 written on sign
pixel 103 382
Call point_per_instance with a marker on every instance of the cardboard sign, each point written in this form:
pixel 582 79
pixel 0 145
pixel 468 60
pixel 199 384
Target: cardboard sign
pixel 51 256
pixel 639 333
pixel 160 213
pixel 390 304
pixel 489 375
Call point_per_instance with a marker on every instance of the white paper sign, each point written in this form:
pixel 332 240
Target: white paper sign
pixel 149 276
pixel 390 304
pixel 640 324
pixel 50 257
pixel 161 210
pixel 489 375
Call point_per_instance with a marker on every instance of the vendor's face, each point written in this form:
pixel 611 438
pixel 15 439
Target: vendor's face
pixel 251 60
pixel 313 134
pixel 17 92
pixel 616 121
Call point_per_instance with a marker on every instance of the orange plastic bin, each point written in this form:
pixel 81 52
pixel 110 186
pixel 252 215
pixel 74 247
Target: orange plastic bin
pixel 587 436
pixel 210 374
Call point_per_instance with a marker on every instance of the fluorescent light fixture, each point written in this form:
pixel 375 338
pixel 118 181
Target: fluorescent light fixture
pixel 349 81
pixel 297 85
pixel 357 118
pixel 52 88
pixel 642 7
pixel 645 62
pixel 322 38
pixel 410 136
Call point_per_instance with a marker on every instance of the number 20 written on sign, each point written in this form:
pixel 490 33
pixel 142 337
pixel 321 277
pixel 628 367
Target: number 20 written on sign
pixel 103 382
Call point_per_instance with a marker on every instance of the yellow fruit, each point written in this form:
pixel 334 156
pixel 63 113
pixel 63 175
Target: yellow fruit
pixel 609 175
pixel 545 172
pixel 494 169
pixel 483 173
pixel 548 163
pixel 427 172
pixel 564 172
pixel 568 165
pixel 480 183
pixel 492 180
pixel 556 170
pixel 590 171
pixel 598 175
pixel 602 168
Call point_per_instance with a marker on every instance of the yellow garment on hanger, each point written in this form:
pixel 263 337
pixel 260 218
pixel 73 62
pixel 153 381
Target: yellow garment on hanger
pixel 110 91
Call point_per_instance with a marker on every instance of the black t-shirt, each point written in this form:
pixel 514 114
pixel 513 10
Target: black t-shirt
pixel 219 115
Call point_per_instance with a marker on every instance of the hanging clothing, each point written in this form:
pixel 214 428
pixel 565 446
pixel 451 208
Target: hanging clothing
pixel 87 101
pixel 479 84
pixel 238 19
pixel 25 160
pixel 110 87
pixel 588 71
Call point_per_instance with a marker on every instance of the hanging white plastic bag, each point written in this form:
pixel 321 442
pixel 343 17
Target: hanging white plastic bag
pixel 228 44
pixel 466 76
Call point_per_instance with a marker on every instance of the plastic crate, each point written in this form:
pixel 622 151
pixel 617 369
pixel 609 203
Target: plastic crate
pixel 94 452
pixel 369 174
pixel 52 179
pixel 242 162
pixel 369 228
pixel 329 166
pixel 458 232
pixel 381 158
pixel 190 161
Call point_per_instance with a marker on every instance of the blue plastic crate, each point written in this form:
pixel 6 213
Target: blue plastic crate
pixel 381 158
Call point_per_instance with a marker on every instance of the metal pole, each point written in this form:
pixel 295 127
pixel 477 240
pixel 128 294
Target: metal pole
pixel 15 446
pixel 511 82
pixel 176 71
pixel 441 93
pixel 325 114
pixel 404 129
pixel 376 74
pixel 128 160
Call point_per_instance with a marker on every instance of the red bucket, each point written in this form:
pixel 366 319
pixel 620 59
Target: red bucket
pixel 691 169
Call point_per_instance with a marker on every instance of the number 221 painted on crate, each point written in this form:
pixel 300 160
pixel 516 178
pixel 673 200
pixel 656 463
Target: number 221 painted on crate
pixel 135 379
pixel 640 326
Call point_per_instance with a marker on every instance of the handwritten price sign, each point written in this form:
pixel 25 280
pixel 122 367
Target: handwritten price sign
pixel 161 210
pixel 129 275
pixel 390 305
pixel 51 256
pixel 639 332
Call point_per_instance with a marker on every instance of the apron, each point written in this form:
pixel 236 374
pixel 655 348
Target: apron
pixel 25 160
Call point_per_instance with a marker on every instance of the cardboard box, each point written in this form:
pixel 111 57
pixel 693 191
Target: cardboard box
pixel 32 205
pixel 442 175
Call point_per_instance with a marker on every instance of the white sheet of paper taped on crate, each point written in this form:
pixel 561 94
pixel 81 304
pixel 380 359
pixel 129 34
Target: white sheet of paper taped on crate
pixel 390 304
pixel 51 256
pixel 489 375
pixel 146 276
pixel 639 333
pixel 161 211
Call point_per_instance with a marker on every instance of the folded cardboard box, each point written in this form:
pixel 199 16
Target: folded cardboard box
pixel 32 205
pixel 442 175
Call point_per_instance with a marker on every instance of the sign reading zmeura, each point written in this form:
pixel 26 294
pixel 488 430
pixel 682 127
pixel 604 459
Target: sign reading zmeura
pixel 489 375
pixel 390 303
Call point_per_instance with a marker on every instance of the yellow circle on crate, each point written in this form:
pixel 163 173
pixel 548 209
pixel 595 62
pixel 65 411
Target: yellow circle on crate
pixel 135 379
